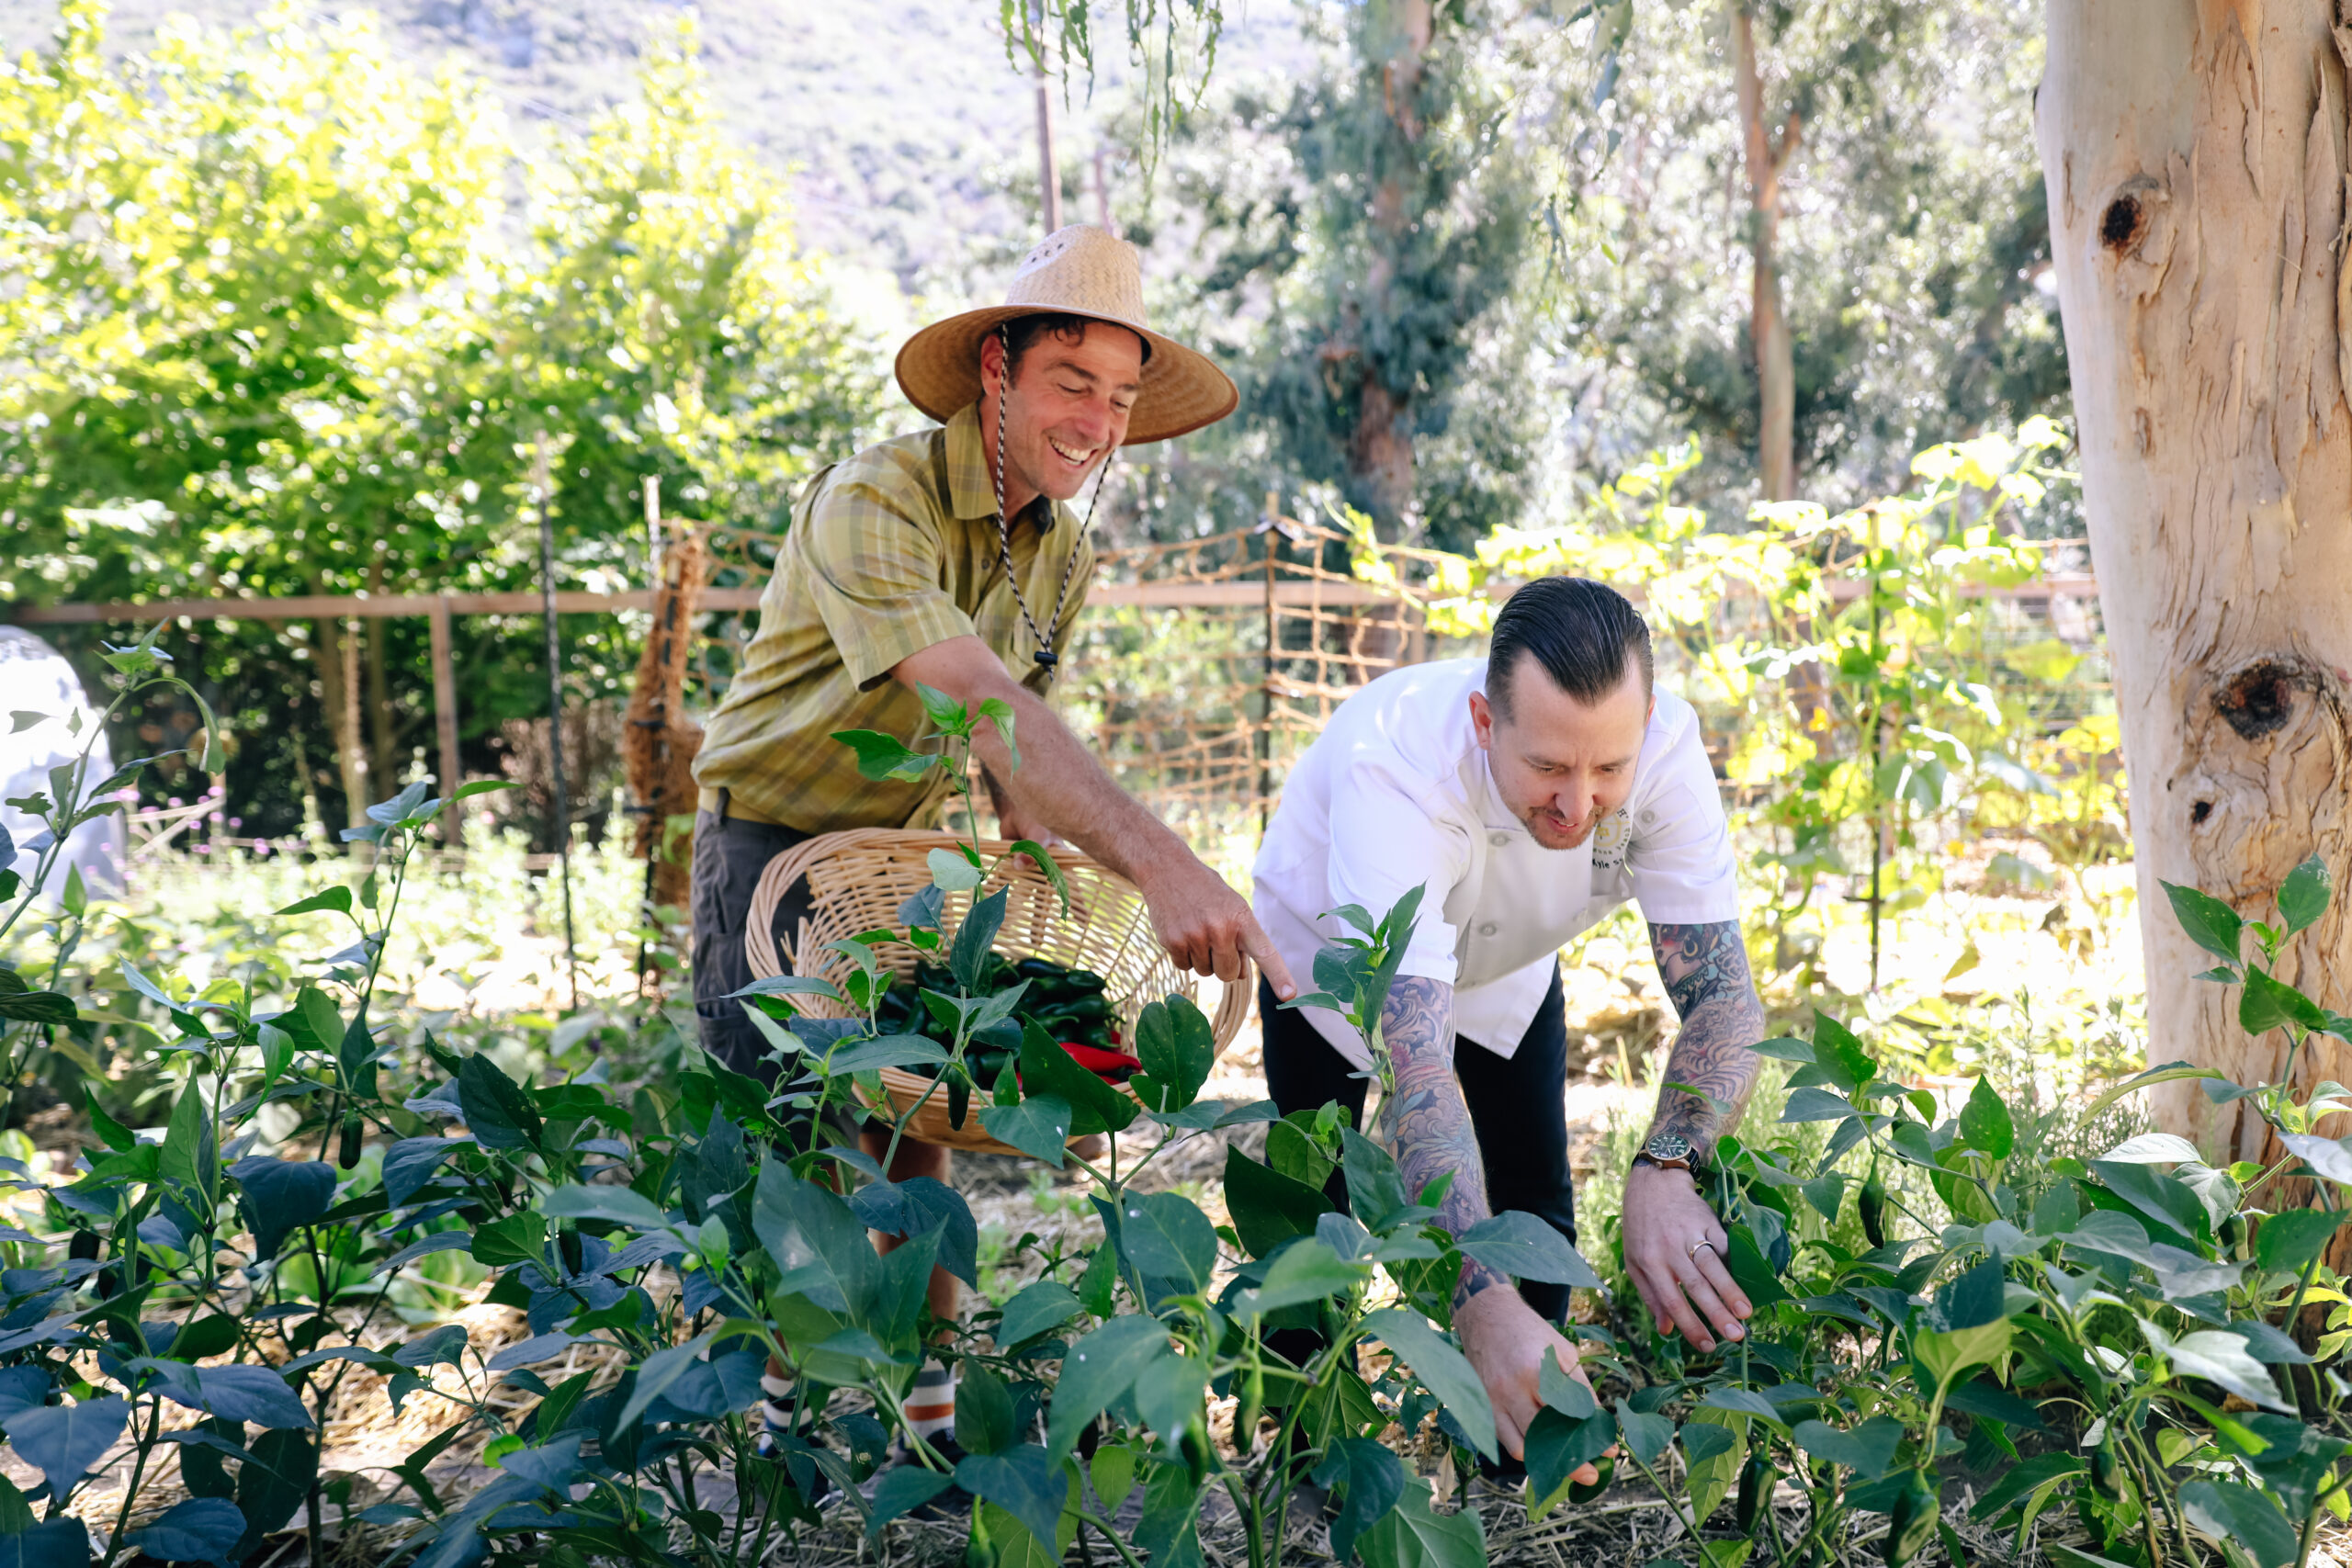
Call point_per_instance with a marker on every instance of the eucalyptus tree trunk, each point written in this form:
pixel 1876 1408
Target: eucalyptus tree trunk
pixel 1767 156
pixel 2195 154
pixel 1380 449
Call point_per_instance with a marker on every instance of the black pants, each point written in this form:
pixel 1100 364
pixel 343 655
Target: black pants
pixel 1518 1108
pixel 729 855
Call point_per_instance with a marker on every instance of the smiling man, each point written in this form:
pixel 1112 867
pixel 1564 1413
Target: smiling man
pixel 947 559
pixel 1531 792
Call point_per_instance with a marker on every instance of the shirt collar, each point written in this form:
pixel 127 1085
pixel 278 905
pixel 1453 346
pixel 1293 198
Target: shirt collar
pixel 971 489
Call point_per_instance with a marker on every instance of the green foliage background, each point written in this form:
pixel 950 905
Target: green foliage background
pixel 285 319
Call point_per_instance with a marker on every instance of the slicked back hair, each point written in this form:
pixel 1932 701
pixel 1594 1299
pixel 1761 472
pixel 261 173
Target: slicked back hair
pixel 1583 634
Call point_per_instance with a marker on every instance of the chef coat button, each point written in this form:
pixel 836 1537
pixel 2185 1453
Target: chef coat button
pixel 1488 929
pixel 1498 840
pixel 1648 818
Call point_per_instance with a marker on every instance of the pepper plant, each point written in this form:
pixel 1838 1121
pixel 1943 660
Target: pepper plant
pixel 2124 1336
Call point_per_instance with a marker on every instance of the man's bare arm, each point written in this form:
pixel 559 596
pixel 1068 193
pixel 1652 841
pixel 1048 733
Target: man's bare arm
pixel 1506 1340
pixel 1675 1244
pixel 1434 1136
pixel 1706 974
pixel 1205 925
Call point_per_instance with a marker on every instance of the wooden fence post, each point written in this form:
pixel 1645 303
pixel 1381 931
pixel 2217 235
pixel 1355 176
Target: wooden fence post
pixel 445 719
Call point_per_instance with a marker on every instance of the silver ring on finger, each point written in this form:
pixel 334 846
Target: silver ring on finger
pixel 1692 1250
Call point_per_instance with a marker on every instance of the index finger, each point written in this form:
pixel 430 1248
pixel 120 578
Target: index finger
pixel 1258 945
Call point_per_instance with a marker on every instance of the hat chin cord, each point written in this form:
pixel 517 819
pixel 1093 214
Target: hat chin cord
pixel 1048 660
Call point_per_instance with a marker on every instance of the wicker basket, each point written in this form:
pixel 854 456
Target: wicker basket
pixel 857 881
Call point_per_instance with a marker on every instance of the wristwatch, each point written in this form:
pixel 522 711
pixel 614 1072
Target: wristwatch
pixel 1668 1151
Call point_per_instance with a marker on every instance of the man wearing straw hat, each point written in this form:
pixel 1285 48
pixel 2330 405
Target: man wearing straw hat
pixel 947 559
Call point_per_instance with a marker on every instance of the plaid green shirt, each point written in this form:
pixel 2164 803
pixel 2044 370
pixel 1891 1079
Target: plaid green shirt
pixel 888 553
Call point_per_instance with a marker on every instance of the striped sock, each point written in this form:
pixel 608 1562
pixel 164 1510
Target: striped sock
pixel 776 1408
pixel 930 1404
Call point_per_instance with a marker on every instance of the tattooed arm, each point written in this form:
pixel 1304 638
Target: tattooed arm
pixel 1674 1243
pixel 1505 1338
pixel 1705 971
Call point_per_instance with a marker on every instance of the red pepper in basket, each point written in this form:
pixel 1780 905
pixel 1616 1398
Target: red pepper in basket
pixel 1102 1064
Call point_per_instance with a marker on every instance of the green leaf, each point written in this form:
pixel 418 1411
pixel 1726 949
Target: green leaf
pixel 337 899
pixel 1516 1243
pixel 1029 1487
pixel 2267 1002
pixel 1646 1436
pixel 37 1007
pixel 2230 1511
pixel 659 1371
pixel 1046 863
pixel 951 872
pixel 315 1021
pixel 1369 1479
pixel 482 787
pixel 2302 897
pixel 886 1050
pixel 2221 1358
pixel 1867 1450
pixel 2169 1072
pixel 1046 1068
pixel 1849 1063
pixel 1043 1305
pixel 2289 1242
pixel 1984 1121
pixel 188 1140
pixel 1811 1104
pixel 984 1416
pixel 1558 1446
pixel 1038 1126
pixel 2210 924
pixel 1411 1536
pixel 1947 1355
pixel 1098 1370
pixel 603 1202
pixel 1165 1235
pixel 1442 1368
pixel 946 713
pixel 116 1135
pixel 1785 1048
pixel 498 1113
pixel 906 1487
pixel 817 1241
pixel 883 758
pixel 516 1238
pixel 1751 1271
pixel 1178 1050
pixel 1268 1207
pixel 1306 1271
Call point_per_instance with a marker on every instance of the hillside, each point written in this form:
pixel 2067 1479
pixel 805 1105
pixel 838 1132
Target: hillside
pixel 908 138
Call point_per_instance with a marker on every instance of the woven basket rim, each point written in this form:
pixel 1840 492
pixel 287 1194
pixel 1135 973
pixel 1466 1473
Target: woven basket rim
pixel 902 853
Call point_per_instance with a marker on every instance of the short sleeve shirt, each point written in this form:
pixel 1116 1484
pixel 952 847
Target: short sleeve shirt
pixel 1396 793
pixel 891 552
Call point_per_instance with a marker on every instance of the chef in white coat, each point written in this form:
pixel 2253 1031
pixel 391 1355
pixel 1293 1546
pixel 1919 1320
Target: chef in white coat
pixel 1530 793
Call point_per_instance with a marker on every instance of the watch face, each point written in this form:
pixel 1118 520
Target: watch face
pixel 1670 1146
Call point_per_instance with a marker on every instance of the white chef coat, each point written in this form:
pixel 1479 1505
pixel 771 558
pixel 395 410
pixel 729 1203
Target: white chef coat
pixel 1396 792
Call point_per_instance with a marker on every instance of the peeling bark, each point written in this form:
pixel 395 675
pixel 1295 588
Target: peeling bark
pixel 2195 156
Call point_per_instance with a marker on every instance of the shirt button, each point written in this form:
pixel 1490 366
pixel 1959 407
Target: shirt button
pixel 1500 840
pixel 1488 929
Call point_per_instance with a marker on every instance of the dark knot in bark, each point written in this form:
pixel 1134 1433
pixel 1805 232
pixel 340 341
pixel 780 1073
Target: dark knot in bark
pixel 2121 225
pixel 2260 699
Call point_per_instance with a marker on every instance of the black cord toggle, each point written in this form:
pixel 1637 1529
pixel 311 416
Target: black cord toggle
pixel 1046 656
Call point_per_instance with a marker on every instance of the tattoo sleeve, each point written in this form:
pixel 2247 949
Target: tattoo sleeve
pixel 1430 1119
pixel 1706 970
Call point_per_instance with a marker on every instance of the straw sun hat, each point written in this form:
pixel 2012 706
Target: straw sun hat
pixel 1078 271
